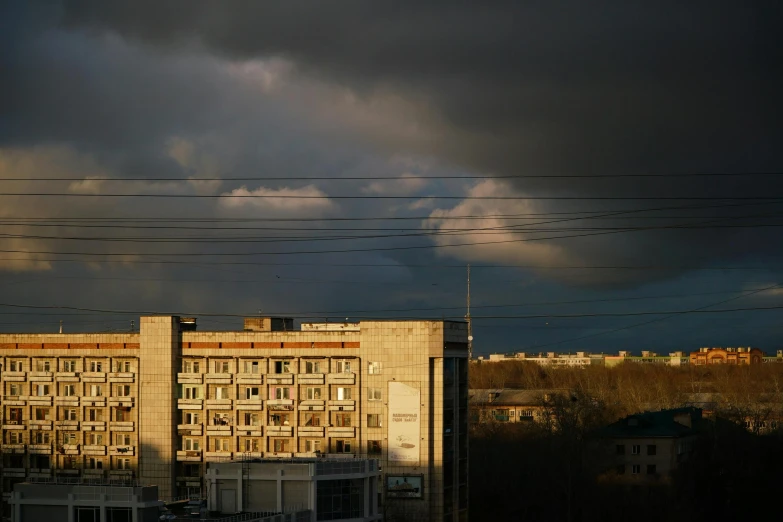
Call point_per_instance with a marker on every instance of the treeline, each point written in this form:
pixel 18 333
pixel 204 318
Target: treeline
pixel 551 470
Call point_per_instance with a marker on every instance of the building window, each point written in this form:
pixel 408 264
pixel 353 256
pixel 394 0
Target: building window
pixel 222 445
pixel 251 419
pixel 69 437
pixel 342 420
pixel 312 446
pixel 373 420
pixel 281 393
pixel 374 368
pixel 192 392
pixel 251 367
pixel 192 470
pixel 15 437
pixel 69 365
pixel 281 445
pixel 311 419
pixel 42 414
pixel 122 414
pixel 636 449
pixel 621 469
pixel 96 439
pixel 191 417
pixel 96 390
pixel 343 394
pixel 96 366
pixel 69 414
pixel 221 392
pixel 313 394
pixel 123 463
pixel 221 366
pixel 374 394
pixel 620 449
pixel 652 449
pixel 280 419
pixel 95 415
pixel 122 439
pixel 374 447
pixel 40 437
pixel 122 366
pixel 15 415
pixel 16 366
pixel 282 366
pixel 42 390
pixel 343 366
pixel 342 446
pixel 252 393
pixel 69 390
pixel 252 445
pixel 313 367
pixel 94 463
pixel 191 444
pixel 651 469
pixel 123 390
pixel 221 419
pixel 190 367
pixel 636 469
pixel 15 389
pixel 43 366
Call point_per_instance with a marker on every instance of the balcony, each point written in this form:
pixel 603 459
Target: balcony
pixel 280 378
pixel 13 448
pixel 279 431
pixel 279 455
pixel 14 426
pixel 40 376
pixel 310 431
pixel 218 456
pixel 67 376
pixel 39 449
pixel 68 449
pixel 94 401
pixel 71 400
pixel 250 430
pixel 15 400
pixel 219 404
pixel 121 473
pixel 189 456
pixel 93 473
pixel 67 425
pixel 94 450
pixel 249 455
pixel 68 471
pixel 341 378
pixel 94 377
pixel 250 378
pixel 219 378
pixel 93 426
pixel 15 376
pixel 122 377
pixel 14 472
pixel 39 400
pixel 250 404
pixel 127 402
pixel 40 424
pixel 121 425
pixel 280 404
pixel 311 406
pixel 501 418
pixel 189 429
pixel 219 430
pixel 189 404
pixel 190 378
pixel 340 431
pixel 311 378
pixel 342 405
pixel 122 451
pixel 39 472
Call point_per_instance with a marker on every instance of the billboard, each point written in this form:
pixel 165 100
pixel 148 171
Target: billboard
pixel 404 423
pixel 403 486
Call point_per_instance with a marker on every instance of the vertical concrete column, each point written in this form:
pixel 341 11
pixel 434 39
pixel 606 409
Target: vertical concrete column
pixel 159 347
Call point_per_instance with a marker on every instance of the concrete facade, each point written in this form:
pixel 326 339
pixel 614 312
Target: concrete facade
pixel 183 397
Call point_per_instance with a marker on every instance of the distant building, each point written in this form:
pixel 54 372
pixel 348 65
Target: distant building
pixel 740 356
pixel 314 488
pixel 647 357
pixel 52 501
pixel 777 358
pixel 647 447
pixel 552 359
pixel 508 405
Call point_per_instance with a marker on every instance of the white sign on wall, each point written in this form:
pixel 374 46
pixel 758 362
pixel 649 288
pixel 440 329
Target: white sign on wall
pixel 404 423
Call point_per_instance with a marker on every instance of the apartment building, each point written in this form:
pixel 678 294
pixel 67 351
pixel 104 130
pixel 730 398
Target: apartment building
pixel 729 355
pixel 159 404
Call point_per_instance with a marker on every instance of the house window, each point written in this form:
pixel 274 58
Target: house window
pixel 342 446
pixel 281 445
pixel 343 366
pixel 41 437
pixel 42 414
pixel 251 419
pixel 16 366
pixel 251 367
pixel 342 420
pixel 15 415
pixel 69 437
pixel 526 414
pixel 221 392
pixel 374 447
pixel 96 439
pixel 95 415
pixel 123 463
pixel 43 366
pixel 122 366
pixel 96 366
pixel 191 417
pixel 69 414
pixel 312 446
pixel 96 390
pixel 94 463
pixel 123 390
pixel 636 469
pixel 636 449
pixel 343 394
pixel 282 366
pixel 281 393
pixel 313 367
pixel 221 419
pixel 192 470
pixel 15 389
pixel 313 394
pixel 652 449
pixel 252 445
pixel 192 392
pixel 69 365
pixel 221 366
pixel 15 437
pixel 374 368
pixel 222 444
pixel 252 393
pixel 312 419
pixel 280 419
pixel 191 444
pixel 69 390
pixel 374 394
pixel 121 414
pixel 373 420
pixel 190 367
pixel 620 449
pixel 42 390
pixel 651 469
pixel 122 439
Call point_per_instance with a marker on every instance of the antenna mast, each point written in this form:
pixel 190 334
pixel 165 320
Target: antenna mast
pixel 470 322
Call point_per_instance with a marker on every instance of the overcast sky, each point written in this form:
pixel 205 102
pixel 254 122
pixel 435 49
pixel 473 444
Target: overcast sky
pixel 616 160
